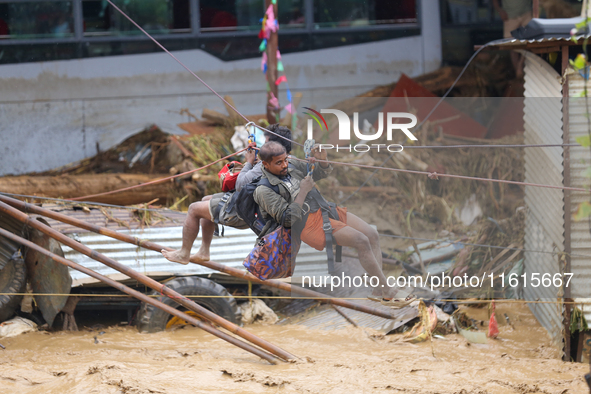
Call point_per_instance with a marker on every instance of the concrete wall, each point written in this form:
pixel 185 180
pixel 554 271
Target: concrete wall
pixel 55 113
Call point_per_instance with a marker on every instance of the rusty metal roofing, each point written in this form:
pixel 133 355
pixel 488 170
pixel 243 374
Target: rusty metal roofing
pixel 544 227
pixel 580 160
pixel 165 228
pixel 114 218
pixel 230 250
pixel 8 247
pixel 514 42
pixel 326 317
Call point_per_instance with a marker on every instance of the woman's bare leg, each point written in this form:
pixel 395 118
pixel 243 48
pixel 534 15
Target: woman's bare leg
pixel 348 236
pixel 371 233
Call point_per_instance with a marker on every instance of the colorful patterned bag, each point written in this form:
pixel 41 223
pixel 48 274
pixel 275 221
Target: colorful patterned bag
pixel 273 256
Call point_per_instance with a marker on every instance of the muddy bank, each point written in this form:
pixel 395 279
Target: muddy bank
pixel 187 360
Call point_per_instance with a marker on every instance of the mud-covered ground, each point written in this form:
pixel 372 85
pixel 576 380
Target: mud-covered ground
pixel 352 360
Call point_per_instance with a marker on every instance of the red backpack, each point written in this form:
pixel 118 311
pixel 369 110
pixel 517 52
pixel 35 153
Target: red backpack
pixel 228 175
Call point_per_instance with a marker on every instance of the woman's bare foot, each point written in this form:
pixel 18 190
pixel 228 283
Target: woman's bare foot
pixel 176 256
pixel 380 294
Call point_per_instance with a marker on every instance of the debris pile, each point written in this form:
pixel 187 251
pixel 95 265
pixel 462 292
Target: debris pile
pixel 457 211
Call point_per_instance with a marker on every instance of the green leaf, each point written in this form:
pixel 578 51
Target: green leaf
pixel 574 39
pixel 580 61
pixel 580 94
pixel 587 172
pixel 584 211
pixel 583 141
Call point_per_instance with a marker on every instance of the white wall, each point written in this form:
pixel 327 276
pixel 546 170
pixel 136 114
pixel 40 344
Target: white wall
pixel 55 113
pixel 431 35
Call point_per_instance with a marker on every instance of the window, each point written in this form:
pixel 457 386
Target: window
pixel 354 13
pixel 291 14
pixel 155 16
pixel 48 26
pixel 232 15
pixel 468 12
pixel 41 19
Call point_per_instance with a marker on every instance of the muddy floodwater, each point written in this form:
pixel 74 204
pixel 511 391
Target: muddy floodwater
pixel 351 360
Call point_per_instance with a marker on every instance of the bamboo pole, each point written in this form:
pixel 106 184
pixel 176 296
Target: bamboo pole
pixel 272 88
pixel 142 297
pixel 386 314
pixel 26 207
pixel 187 303
pixel 69 186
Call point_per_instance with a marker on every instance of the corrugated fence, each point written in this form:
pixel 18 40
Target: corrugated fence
pixel 544 229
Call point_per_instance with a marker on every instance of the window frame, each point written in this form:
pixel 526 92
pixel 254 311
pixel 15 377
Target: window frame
pixel 310 5
pixel 74 37
pixel 196 33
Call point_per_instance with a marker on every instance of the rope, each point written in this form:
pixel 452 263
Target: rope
pixel 88 203
pixel 482 245
pixel 435 175
pixel 299 298
pixel 158 180
pixel 431 175
pixel 357 165
pixel 429 114
pixel 382 235
pixel 483 146
pixel 195 75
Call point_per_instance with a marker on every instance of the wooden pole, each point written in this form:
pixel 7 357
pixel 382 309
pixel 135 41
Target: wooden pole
pixel 272 46
pixel 567 308
pixel 142 297
pixel 26 207
pixel 163 289
pixel 71 186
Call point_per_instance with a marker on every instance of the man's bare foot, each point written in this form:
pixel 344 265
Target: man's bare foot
pixel 176 256
pixel 199 256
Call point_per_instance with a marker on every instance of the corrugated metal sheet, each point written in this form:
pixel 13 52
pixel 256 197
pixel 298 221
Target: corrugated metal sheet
pixel 8 247
pixel 513 42
pixel 325 317
pixel 580 159
pixel 229 250
pixel 544 227
pixel 113 218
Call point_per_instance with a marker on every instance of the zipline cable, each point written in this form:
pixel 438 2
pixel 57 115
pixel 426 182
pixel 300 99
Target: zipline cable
pixel 195 75
pixel 158 180
pixel 429 114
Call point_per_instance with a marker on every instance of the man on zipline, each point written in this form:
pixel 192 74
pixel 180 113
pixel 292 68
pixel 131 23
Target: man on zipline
pixel 205 212
pixel 298 205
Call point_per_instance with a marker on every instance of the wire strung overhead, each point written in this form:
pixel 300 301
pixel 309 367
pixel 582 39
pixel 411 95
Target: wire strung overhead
pixel 431 175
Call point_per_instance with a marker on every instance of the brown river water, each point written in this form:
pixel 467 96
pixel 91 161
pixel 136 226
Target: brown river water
pixel 351 360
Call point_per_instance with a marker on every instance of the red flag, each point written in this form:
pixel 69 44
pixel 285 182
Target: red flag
pixel 282 78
